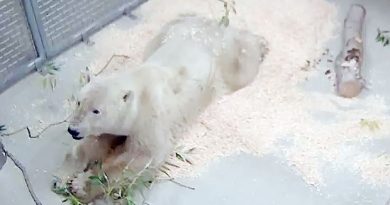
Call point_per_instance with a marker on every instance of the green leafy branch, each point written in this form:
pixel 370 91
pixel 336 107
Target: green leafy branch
pixel 383 37
pixel 372 125
pixel 49 75
pixel 182 155
pixel 68 196
pixel 125 188
pixel 122 189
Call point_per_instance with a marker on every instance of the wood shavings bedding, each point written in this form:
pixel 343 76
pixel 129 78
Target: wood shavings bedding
pixel 274 109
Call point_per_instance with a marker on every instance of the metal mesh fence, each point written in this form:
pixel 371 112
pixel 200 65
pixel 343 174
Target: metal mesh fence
pixel 16 44
pixel 34 30
pixel 65 21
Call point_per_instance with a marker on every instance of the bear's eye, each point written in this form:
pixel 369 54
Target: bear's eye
pixel 78 103
pixel 96 111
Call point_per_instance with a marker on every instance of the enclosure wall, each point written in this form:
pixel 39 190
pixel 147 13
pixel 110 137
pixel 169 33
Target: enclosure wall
pixel 32 31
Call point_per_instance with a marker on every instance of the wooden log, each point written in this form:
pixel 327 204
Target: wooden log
pixel 348 64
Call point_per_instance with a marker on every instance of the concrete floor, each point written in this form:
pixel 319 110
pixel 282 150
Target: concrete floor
pixel 249 180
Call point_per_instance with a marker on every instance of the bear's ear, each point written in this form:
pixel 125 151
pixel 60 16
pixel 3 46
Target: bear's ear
pixel 128 96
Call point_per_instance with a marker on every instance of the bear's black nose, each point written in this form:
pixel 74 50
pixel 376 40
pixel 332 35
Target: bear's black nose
pixel 74 133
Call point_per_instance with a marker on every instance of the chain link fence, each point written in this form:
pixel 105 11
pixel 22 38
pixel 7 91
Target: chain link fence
pixel 32 31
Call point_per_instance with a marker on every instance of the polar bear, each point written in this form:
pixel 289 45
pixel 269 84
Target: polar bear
pixel 133 118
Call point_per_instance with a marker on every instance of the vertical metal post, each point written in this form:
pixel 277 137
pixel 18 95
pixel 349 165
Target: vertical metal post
pixel 35 32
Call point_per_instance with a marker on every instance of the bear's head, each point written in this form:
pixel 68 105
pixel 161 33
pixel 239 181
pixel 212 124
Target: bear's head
pixel 103 107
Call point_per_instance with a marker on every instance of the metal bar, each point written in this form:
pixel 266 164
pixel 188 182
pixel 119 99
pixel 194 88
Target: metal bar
pixel 37 28
pixel 35 31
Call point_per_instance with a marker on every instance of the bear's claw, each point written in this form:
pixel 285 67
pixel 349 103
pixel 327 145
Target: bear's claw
pixel 77 186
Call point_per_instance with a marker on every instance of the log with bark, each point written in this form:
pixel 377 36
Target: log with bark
pixel 348 64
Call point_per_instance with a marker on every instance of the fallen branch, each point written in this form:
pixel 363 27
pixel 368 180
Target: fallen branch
pixel 16 131
pixel 109 61
pixel 177 183
pixel 39 133
pixel 19 165
pixel 47 127
pixel 3 156
pixel 180 184
pixel 144 202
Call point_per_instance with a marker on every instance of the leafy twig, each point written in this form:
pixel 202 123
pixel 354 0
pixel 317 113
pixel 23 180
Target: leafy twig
pixel 372 125
pixel 64 191
pixel 172 165
pixel 181 154
pixel 48 72
pixel 164 171
pixel 122 189
pixel 228 5
pixel 383 37
pixel 85 77
pixel 125 187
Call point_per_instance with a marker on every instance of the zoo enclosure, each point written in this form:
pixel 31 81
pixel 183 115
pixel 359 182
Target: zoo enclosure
pixel 32 31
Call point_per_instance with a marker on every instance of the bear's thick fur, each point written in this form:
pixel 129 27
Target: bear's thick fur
pixel 191 62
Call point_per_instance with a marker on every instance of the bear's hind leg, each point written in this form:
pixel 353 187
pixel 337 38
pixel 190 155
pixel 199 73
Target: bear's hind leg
pixel 240 65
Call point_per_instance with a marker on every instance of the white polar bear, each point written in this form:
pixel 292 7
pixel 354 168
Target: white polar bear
pixel 191 62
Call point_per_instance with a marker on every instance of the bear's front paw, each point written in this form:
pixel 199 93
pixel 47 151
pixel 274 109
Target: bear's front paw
pixel 78 185
pixel 58 184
